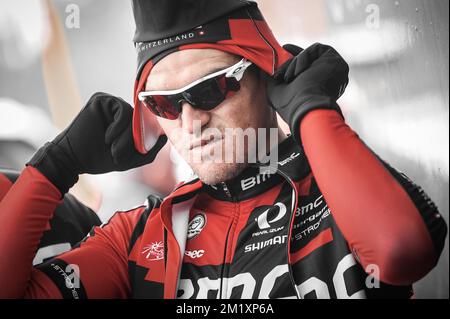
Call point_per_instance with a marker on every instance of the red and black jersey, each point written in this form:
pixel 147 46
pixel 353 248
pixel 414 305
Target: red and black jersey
pixel 71 222
pixel 264 234
pixel 238 236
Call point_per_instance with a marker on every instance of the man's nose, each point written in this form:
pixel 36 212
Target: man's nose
pixel 191 117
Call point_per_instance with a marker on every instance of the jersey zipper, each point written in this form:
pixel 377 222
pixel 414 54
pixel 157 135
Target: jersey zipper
pixel 228 248
pixel 291 223
pixel 226 190
pixel 229 241
pixel 222 271
pixel 233 225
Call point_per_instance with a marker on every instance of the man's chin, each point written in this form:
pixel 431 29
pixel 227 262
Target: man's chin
pixel 215 173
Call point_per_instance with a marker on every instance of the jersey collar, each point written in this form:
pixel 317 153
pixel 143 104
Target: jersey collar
pixel 256 179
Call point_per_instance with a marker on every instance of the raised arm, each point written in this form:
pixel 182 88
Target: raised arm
pixel 387 220
pixel 99 140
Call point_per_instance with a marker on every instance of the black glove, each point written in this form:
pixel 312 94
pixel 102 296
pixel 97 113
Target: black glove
pixel 314 79
pixel 99 140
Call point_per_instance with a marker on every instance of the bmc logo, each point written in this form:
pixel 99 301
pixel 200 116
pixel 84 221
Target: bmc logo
pixel 292 157
pixel 321 289
pixel 255 180
pixel 262 221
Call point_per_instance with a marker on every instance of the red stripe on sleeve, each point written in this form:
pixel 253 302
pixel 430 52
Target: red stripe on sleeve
pixel 320 240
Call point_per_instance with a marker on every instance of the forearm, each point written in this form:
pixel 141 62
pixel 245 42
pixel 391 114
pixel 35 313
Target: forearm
pixel 374 212
pixel 25 212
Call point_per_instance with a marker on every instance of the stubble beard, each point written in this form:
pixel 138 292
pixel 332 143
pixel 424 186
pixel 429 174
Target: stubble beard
pixel 212 173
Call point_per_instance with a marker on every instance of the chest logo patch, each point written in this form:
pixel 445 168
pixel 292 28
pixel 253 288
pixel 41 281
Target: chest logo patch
pixel 262 221
pixel 196 225
pixel 154 251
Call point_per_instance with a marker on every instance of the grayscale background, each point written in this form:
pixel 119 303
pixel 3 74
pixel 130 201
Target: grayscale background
pixel 397 100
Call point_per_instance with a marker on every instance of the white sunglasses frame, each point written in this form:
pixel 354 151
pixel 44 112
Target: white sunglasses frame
pixel 237 71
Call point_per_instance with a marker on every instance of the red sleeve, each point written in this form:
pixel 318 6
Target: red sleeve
pixel 97 267
pixel 24 215
pixel 379 219
pixel 5 185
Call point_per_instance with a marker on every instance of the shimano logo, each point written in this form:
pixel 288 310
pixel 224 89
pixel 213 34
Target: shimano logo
pixel 277 240
pixel 255 180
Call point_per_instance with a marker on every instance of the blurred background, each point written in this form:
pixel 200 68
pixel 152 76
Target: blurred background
pixel 55 54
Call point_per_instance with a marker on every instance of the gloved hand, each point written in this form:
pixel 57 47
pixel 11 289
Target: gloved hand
pixel 99 140
pixel 313 79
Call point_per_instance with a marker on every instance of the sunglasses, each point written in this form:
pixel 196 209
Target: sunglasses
pixel 205 94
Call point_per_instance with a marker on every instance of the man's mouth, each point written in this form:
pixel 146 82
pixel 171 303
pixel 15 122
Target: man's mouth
pixel 197 145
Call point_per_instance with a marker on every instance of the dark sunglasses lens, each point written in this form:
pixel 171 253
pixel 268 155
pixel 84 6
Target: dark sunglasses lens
pixel 205 96
pixel 162 107
pixel 229 86
pixel 210 93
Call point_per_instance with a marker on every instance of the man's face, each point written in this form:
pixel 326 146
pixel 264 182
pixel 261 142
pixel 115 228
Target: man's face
pixel 247 109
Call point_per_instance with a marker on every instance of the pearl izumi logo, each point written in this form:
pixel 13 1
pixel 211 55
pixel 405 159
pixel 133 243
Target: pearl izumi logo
pixel 196 225
pixel 154 251
pixel 262 220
